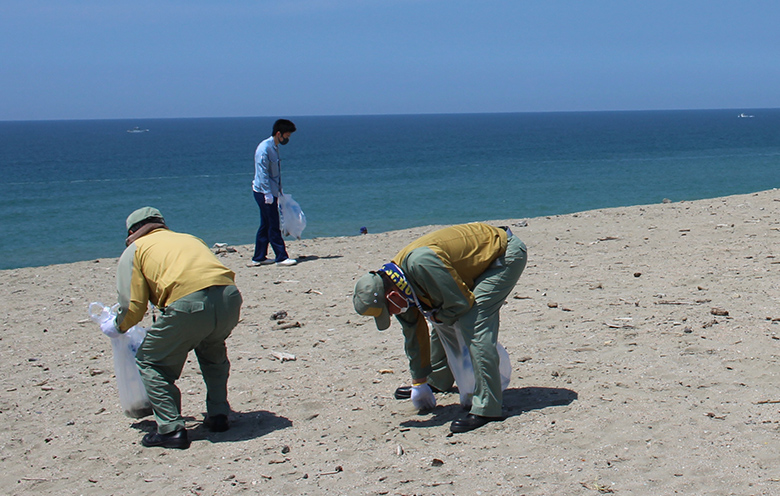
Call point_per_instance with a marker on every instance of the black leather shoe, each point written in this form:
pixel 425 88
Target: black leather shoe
pixel 217 423
pixel 176 439
pixel 405 392
pixel 472 422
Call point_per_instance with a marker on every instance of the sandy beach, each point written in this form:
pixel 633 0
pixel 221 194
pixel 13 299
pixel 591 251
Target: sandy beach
pixel 644 346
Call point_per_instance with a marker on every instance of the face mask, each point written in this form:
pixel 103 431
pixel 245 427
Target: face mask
pixel 397 302
pixel 284 141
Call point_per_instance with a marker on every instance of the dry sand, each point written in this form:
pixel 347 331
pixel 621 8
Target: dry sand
pixel 624 380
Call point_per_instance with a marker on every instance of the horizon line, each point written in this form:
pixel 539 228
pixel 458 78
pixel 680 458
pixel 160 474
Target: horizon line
pixel 391 114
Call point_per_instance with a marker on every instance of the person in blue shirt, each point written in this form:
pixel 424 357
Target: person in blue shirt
pixel 267 188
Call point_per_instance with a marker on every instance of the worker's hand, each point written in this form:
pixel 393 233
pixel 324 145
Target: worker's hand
pixel 269 198
pixel 422 397
pixel 109 328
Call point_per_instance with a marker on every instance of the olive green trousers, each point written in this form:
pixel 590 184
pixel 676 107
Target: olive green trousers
pixel 480 332
pixel 200 321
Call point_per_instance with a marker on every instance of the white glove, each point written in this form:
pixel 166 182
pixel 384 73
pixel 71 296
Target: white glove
pixel 423 398
pixel 269 198
pixel 109 328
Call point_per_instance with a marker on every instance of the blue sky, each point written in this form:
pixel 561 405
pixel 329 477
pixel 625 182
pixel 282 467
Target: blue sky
pixel 95 59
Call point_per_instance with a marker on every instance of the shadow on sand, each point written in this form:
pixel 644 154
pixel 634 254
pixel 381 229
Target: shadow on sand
pixel 243 426
pixel 312 258
pixel 516 402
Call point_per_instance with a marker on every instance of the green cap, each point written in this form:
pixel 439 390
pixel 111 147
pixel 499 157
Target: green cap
pixel 369 299
pixel 143 214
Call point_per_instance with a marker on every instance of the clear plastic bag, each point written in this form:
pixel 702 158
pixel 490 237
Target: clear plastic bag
pixel 292 220
pixel 459 360
pixel 132 394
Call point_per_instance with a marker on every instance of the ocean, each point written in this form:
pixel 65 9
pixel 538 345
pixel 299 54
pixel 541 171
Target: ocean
pixel 66 187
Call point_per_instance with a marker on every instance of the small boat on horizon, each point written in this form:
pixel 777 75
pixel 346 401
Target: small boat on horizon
pixel 137 129
pixel 744 115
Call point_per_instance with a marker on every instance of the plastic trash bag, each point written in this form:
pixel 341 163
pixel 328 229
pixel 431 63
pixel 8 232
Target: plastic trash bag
pixel 132 394
pixel 459 360
pixel 292 220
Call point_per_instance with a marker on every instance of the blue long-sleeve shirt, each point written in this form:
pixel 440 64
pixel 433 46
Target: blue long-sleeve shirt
pixel 268 173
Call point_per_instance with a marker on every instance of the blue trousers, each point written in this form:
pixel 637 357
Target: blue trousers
pixel 269 231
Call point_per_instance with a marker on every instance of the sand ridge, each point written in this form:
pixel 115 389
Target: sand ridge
pixel 643 341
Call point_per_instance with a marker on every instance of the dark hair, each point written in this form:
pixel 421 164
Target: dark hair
pixel 149 220
pixel 387 283
pixel 283 126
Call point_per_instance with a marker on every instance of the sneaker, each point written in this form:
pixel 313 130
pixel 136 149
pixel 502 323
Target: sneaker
pixel 254 263
pixel 287 261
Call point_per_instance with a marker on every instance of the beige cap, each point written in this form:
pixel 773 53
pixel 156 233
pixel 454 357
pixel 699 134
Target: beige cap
pixel 369 299
pixel 143 214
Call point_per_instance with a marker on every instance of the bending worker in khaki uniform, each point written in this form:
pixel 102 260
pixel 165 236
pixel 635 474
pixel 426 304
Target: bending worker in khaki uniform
pixel 460 274
pixel 199 306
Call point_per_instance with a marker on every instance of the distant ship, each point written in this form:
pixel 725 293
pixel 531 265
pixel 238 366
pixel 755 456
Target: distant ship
pixel 744 115
pixel 136 129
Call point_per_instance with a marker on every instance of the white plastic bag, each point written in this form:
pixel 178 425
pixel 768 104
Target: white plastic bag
pixel 132 394
pixel 459 360
pixel 292 220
